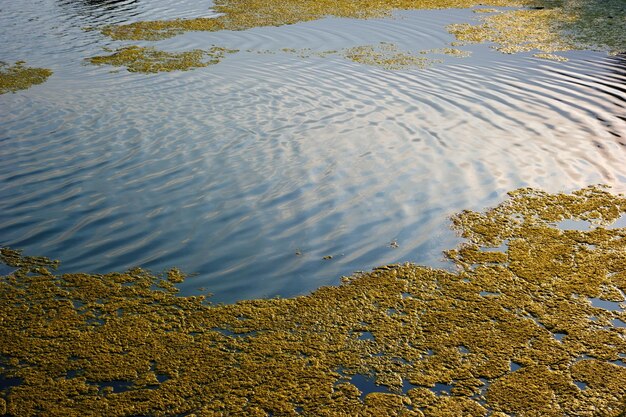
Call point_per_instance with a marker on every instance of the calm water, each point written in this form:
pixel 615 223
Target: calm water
pixel 229 171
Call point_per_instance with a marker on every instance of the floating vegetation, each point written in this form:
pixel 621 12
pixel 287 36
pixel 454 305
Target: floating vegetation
pixel 519 31
pixel 19 77
pixel 457 53
pixel 308 52
pixel 547 26
pixel 551 57
pixel 387 56
pixel 480 341
pixel 573 25
pixel 384 55
pixel 301 52
pixel 151 60
pixel 486 11
pixel 247 14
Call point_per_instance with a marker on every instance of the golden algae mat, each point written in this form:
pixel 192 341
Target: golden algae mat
pixel 19 77
pixel 150 60
pixel 514 331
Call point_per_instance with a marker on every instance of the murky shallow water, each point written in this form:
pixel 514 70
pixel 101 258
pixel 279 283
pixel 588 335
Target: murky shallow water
pixel 251 171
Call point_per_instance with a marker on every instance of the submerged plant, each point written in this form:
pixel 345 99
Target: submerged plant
pixel 19 77
pixel 515 331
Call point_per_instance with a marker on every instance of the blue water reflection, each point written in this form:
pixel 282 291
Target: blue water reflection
pixel 250 172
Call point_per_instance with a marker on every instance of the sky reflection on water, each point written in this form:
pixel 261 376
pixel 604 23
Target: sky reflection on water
pixel 249 172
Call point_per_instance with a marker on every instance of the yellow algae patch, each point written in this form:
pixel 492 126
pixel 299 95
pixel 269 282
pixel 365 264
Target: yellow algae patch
pixel 573 25
pixel 457 53
pixel 19 77
pixel 551 57
pixel 486 11
pixel 301 52
pixel 247 14
pixel 519 31
pixel 513 332
pixel 151 60
pixel 384 55
pixel 308 53
pixel 387 56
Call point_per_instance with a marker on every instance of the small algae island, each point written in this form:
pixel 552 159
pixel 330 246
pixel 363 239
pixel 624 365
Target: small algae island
pixel 19 77
pixel 387 56
pixel 519 329
pixel 151 60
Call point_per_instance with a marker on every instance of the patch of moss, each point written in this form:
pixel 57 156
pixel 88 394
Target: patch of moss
pixel 151 60
pixel 125 344
pixel 19 77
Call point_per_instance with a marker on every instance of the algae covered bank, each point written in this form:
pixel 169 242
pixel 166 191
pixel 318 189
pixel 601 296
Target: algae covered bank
pixel 531 323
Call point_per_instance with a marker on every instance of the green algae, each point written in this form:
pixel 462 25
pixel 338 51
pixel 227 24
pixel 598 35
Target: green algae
pixel 19 77
pixel 126 344
pixel 151 60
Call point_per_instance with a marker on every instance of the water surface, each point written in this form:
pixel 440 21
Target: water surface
pixel 251 171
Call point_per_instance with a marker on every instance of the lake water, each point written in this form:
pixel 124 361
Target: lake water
pixel 250 172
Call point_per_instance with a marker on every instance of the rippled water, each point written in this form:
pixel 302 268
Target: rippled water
pixel 251 171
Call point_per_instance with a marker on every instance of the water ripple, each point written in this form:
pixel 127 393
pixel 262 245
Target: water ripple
pixel 250 172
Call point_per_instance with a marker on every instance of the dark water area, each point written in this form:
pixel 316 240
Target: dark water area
pixel 248 173
pixel 7 383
